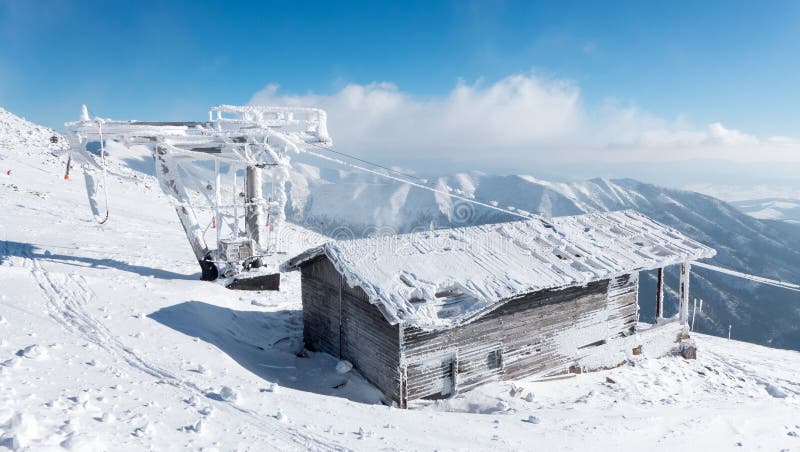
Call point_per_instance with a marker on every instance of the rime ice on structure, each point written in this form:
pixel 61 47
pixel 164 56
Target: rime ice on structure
pixel 436 313
pixel 251 141
pixel 493 262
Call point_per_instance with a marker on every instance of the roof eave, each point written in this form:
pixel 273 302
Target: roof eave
pixel 301 259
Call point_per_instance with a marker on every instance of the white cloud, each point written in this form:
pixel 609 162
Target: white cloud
pixel 521 118
pixel 718 133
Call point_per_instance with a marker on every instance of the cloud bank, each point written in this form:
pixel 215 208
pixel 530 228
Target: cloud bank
pixel 522 118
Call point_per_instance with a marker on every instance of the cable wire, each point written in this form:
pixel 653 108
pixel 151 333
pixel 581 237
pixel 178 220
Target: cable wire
pixel 343 154
pixel 442 192
pixel 103 159
pixel 759 279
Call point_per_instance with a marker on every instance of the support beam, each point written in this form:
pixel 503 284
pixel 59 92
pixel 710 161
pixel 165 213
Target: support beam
pixel 217 201
pixel 171 183
pixel 683 311
pixel 660 295
pixel 236 200
pixel 255 219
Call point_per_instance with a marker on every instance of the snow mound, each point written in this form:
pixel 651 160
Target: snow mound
pixel 228 394
pixel 18 133
pixel 82 442
pixel 343 367
pixel 18 431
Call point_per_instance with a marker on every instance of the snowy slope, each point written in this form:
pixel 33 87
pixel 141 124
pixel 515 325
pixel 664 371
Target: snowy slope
pixel 758 313
pixel 25 136
pixel 108 341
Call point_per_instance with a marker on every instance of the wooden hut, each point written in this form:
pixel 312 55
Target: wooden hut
pixel 435 313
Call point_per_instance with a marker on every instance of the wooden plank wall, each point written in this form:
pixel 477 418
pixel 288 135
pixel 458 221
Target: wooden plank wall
pixel 340 321
pixel 623 303
pixel 369 342
pixel 320 293
pixel 540 333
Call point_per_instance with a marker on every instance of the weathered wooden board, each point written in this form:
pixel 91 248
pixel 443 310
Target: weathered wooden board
pixel 340 321
pixel 370 343
pixel 321 319
pixel 535 334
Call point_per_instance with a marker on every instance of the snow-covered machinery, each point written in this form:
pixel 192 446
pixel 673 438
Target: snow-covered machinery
pixel 244 144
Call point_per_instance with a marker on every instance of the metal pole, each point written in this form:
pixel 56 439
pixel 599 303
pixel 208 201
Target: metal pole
pixel 254 220
pixel 172 185
pixel 217 200
pixel 235 209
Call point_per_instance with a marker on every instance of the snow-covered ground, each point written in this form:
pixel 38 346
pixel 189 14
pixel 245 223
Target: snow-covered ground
pixel 108 341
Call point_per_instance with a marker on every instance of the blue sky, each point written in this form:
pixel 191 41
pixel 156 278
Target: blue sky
pixel 735 63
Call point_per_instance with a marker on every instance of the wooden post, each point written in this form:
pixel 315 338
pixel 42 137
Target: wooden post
pixel 341 320
pixel 660 295
pixel 683 311
pixel 403 386
pixel 454 373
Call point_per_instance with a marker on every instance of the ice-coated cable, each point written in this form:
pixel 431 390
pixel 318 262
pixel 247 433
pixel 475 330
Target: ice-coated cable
pixel 441 192
pixel 103 160
pixel 759 279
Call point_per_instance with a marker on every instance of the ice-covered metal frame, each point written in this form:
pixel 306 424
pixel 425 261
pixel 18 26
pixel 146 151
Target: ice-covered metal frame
pixel 253 138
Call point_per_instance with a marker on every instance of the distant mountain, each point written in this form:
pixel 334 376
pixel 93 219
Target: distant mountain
pixel 787 209
pixel 345 203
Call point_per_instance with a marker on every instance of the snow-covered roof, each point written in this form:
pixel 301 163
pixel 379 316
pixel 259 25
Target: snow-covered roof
pixel 437 279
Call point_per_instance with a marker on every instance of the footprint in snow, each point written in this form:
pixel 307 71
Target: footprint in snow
pixel 34 352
